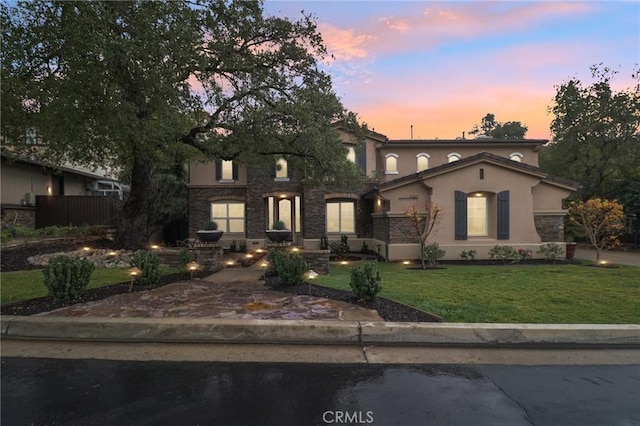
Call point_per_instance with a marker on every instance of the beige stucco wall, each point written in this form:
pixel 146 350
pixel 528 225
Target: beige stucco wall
pixel 548 198
pixel 497 179
pixel 407 161
pixel 18 179
pixel 204 174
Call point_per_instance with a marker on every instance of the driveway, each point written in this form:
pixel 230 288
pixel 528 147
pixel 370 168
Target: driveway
pixel 629 258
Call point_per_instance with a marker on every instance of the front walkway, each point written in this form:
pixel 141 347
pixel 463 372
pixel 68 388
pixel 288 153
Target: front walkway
pixel 629 258
pixel 234 293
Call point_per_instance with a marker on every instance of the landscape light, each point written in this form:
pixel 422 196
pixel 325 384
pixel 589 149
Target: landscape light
pixel 112 253
pixel 155 247
pixel 406 262
pixel 86 248
pixel 192 267
pixel 133 272
pixel 249 256
pixel 344 262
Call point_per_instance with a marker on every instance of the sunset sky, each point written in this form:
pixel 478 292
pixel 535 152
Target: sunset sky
pixel 441 66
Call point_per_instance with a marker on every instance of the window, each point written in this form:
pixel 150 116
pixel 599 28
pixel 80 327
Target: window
pixel 341 217
pixel 454 156
pixel 423 161
pixel 227 170
pixel 391 164
pixel 229 216
pixel 281 169
pixel 477 216
pixel 351 154
pixel 516 156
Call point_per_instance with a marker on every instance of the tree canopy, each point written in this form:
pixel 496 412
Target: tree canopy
pixel 493 129
pixel 596 134
pixel 141 85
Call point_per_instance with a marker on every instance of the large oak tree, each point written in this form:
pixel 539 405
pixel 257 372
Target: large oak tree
pixel 596 134
pixel 140 85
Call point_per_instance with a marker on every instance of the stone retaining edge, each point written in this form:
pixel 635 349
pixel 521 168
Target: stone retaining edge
pixel 194 330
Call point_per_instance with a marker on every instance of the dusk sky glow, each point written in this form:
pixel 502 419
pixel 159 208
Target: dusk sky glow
pixel 441 66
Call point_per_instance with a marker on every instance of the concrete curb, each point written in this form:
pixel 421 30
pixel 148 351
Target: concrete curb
pixel 194 330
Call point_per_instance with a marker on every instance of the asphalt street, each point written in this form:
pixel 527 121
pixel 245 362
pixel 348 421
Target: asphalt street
pixel 100 392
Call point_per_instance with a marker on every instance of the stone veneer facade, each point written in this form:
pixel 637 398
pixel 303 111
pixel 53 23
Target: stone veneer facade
pixel 550 227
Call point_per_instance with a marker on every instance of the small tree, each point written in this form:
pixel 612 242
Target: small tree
pixel 423 222
pixel 601 220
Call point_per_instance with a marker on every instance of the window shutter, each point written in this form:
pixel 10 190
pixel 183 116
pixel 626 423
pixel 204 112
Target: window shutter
pixel 362 156
pixel 234 167
pixel 503 215
pixel 218 169
pixel 461 215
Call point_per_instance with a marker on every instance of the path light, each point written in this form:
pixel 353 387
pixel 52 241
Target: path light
pixel 312 275
pixel 264 266
pixel 344 262
pixel 603 262
pixel 295 249
pixel 87 249
pixel 134 272
pixel 112 253
pixel 230 262
pixel 155 247
pixel 249 256
pixel 259 250
pixel 406 262
pixel 192 267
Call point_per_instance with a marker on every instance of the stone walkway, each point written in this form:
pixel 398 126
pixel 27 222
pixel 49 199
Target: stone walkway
pixel 234 293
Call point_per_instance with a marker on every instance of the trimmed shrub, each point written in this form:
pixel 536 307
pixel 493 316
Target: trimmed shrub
pixel 289 267
pixel 504 253
pixel 67 277
pixel 468 255
pixel 365 281
pixel 433 253
pixel 148 263
pixel 551 251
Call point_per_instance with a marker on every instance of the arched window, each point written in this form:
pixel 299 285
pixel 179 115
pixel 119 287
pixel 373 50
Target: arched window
pixel 391 164
pixel 422 160
pixel 516 156
pixel 281 169
pixel 351 154
pixel 453 156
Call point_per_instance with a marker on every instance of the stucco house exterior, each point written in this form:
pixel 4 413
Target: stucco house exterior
pixel 489 191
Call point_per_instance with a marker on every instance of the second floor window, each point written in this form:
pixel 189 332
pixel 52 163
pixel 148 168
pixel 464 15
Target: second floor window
pixel 227 170
pixel 281 169
pixel 351 154
pixel 391 164
pixel 454 156
pixel 516 156
pixel 423 161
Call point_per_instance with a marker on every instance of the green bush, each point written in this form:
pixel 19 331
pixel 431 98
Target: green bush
pixel 468 255
pixel 67 277
pixel 185 257
pixel 365 281
pixel 279 225
pixel 504 253
pixel 148 263
pixel 288 266
pixel 242 247
pixel 551 251
pixel 433 253
pixel 365 248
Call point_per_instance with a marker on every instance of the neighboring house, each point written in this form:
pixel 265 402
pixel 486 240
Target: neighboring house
pixel 24 178
pixel 489 191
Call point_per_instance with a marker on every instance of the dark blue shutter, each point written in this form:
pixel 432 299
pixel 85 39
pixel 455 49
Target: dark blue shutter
pixel 218 169
pixel 461 215
pixel 362 156
pixel 234 167
pixel 503 215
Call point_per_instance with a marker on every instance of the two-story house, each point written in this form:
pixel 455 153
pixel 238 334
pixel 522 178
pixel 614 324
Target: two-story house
pixel 489 191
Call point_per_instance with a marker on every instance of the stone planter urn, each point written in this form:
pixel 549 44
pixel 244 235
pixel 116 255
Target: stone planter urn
pixel 210 233
pixel 209 236
pixel 278 235
pixel 571 250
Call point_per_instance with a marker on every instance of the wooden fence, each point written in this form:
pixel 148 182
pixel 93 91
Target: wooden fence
pixel 64 210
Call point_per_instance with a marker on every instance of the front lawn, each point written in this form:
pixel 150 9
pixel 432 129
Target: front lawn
pixel 22 285
pixel 511 293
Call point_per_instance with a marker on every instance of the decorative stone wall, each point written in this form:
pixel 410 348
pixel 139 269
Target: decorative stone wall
pixel 381 229
pixel 314 214
pixel 318 260
pixel 550 227
pixel 25 216
pixel 200 204
pixel 402 231
pixel 209 259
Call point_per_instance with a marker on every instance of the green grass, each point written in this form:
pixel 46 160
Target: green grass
pixel 22 285
pixel 511 293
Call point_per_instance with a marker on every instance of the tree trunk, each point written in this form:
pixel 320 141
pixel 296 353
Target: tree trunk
pixel 133 230
pixel 598 253
pixel 637 233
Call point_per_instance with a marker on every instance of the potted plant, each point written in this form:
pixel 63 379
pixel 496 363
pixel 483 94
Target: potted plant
pixel 210 233
pixel 279 233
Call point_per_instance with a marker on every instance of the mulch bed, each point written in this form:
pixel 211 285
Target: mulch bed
pixel 387 309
